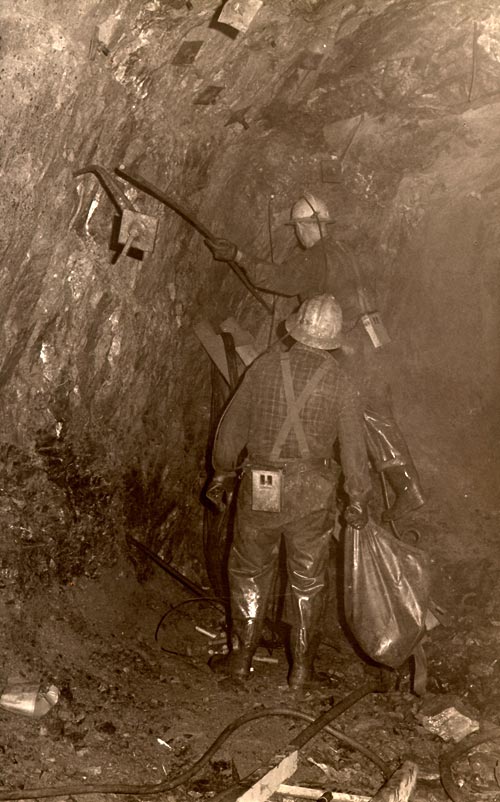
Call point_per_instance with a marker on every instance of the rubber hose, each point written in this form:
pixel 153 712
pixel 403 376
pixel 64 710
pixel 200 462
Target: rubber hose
pixel 489 732
pixel 189 773
pixel 231 358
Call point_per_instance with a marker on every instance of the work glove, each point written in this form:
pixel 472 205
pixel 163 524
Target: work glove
pixel 222 249
pixel 220 490
pixel 356 515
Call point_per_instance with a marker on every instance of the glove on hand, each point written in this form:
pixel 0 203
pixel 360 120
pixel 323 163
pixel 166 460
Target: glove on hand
pixel 222 249
pixel 356 515
pixel 220 490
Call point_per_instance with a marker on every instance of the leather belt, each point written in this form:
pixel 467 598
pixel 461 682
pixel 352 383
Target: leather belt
pixel 290 465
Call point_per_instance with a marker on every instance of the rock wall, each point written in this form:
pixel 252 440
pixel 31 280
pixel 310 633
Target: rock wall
pixel 387 110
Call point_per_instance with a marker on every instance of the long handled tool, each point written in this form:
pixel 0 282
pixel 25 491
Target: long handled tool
pixel 150 189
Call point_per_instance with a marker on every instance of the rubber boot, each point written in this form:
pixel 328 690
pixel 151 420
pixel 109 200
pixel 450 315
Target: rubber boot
pixel 302 675
pixel 236 664
pixel 403 480
pixel 245 639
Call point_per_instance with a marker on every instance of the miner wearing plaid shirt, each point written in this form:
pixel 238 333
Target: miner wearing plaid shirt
pixel 280 429
pixel 325 265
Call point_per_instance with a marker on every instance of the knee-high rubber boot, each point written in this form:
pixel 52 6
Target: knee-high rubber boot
pixel 304 649
pixel 238 663
pixel 404 481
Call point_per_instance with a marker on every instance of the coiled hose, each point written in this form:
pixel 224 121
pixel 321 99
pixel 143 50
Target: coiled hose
pixel 488 732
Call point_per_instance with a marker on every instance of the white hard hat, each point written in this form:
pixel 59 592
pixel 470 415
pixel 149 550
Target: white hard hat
pixel 317 322
pixel 308 209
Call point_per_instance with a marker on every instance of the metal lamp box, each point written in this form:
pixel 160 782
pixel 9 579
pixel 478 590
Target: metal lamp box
pixel 375 328
pixel 267 490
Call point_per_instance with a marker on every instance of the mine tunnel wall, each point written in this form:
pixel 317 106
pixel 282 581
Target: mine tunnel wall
pixel 105 402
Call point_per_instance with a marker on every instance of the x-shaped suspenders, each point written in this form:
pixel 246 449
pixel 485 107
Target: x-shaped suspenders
pixel 294 406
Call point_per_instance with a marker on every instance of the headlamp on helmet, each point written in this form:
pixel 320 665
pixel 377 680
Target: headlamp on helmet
pixel 309 209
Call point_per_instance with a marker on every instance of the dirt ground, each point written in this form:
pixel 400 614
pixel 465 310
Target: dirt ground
pixel 138 702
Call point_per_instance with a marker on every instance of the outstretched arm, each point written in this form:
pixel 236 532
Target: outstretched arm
pixel 299 275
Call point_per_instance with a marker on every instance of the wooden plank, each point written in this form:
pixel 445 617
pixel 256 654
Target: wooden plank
pixel 400 786
pixel 313 793
pixel 244 342
pixel 266 785
pixel 213 345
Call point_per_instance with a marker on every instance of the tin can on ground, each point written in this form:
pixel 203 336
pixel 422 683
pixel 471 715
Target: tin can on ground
pixel 28 699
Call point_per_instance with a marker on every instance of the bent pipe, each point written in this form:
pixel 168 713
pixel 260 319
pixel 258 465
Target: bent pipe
pixel 110 184
pixel 150 189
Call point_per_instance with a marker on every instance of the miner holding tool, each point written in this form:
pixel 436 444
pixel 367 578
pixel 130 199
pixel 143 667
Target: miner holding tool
pixel 278 433
pixel 324 265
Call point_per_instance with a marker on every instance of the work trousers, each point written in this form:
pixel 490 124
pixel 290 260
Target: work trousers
pixel 304 524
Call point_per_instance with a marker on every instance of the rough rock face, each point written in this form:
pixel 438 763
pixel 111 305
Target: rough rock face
pixel 387 110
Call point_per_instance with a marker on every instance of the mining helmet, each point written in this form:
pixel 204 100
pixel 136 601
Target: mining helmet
pixel 317 322
pixel 309 209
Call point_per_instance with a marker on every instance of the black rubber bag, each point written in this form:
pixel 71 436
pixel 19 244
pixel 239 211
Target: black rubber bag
pixel 386 593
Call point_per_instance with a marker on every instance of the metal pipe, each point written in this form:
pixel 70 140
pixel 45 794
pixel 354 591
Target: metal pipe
pixel 141 183
pixel 110 184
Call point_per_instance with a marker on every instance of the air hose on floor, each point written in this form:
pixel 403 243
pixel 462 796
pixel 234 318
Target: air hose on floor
pixel 304 736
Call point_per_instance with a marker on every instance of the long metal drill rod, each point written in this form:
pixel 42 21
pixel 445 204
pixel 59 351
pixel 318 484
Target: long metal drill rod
pixel 150 189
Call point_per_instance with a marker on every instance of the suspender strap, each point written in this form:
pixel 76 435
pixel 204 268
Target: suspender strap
pixel 294 407
pixel 293 412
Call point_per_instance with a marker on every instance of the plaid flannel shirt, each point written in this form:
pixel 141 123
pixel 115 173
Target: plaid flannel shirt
pixel 254 417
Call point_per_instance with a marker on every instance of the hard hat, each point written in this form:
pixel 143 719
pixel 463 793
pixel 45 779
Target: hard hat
pixel 309 209
pixel 317 322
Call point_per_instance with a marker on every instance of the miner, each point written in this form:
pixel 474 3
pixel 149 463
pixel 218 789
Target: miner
pixel 325 265
pixel 278 435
